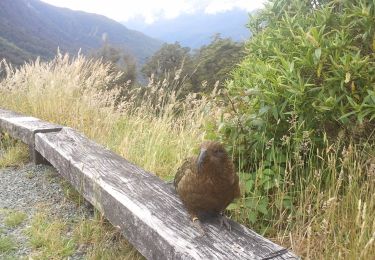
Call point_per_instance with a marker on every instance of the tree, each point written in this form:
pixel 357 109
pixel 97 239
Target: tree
pixel 215 61
pixel 168 60
pixel 120 60
pixel 201 70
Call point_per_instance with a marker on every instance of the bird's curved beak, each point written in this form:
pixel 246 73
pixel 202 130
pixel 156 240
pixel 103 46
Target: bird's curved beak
pixel 201 158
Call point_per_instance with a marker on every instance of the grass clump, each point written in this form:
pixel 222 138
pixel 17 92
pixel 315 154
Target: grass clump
pixel 14 218
pixel 7 244
pixel 103 241
pixel 55 238
pixel 12 152
pixel 48 238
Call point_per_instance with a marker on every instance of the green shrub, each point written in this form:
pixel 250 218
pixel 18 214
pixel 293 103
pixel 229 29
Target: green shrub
pixel 305 90
pixel 309 70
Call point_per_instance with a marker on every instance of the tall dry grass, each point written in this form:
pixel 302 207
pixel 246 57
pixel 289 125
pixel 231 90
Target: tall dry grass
pixel 150 127
pixel 333 189
pixel 333 195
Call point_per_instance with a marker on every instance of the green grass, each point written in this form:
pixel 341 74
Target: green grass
pixel 48 238
pixel 104 241
pixel 322 208
pixel 14 153
pixel 71 193
pixel 7 244
pixel 55 238
pixel 14 218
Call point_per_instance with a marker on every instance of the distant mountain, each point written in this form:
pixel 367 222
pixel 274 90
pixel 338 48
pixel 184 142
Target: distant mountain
pixel 30 28
pixel 195 30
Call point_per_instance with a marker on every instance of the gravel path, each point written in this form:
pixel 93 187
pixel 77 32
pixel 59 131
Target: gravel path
pixel 32 189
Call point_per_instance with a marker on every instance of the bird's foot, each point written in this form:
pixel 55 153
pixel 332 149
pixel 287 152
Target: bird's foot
pixel 197 223
pixel 224 222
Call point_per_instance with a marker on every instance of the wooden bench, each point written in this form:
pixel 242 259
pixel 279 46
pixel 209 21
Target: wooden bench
pixel 144 208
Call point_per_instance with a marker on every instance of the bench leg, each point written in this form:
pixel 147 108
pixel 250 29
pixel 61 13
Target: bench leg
pixel 36 157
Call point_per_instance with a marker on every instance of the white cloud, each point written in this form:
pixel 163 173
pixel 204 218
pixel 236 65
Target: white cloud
pixel 152 10
pixel 226 5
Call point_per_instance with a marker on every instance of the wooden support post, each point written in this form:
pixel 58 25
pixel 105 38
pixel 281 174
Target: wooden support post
pixel 36 157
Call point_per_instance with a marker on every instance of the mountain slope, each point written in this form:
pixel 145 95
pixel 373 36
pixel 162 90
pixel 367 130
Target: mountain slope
pixel 195 30
pixel 30 28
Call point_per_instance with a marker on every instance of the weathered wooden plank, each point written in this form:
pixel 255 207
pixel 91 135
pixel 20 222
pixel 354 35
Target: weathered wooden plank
pixel 24 128
pixel 145 209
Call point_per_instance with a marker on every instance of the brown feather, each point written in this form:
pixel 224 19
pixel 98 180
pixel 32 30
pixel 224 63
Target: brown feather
pixel 210 189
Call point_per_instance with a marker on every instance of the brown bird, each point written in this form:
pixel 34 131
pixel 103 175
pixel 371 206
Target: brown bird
pixel 207 184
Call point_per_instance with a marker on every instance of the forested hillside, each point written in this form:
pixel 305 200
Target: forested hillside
pixel 30 28
pixel 200 70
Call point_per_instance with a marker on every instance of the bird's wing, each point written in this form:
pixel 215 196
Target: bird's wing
pixel 187 167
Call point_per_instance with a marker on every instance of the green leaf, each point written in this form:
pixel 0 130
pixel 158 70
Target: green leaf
pixel 251 203
pixel 275 113
pixel 287 202
pixel 269 184
pixel 232 206
pixel 244 176
pixel 281 158
pixel 291 67
pixel 252 216
pixel 257 122
pixel 318 53
pixel 249 184
pixel 263 205
pixel 263 110
pixel 268 172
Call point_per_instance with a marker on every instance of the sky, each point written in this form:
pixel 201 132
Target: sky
pixel 153 10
